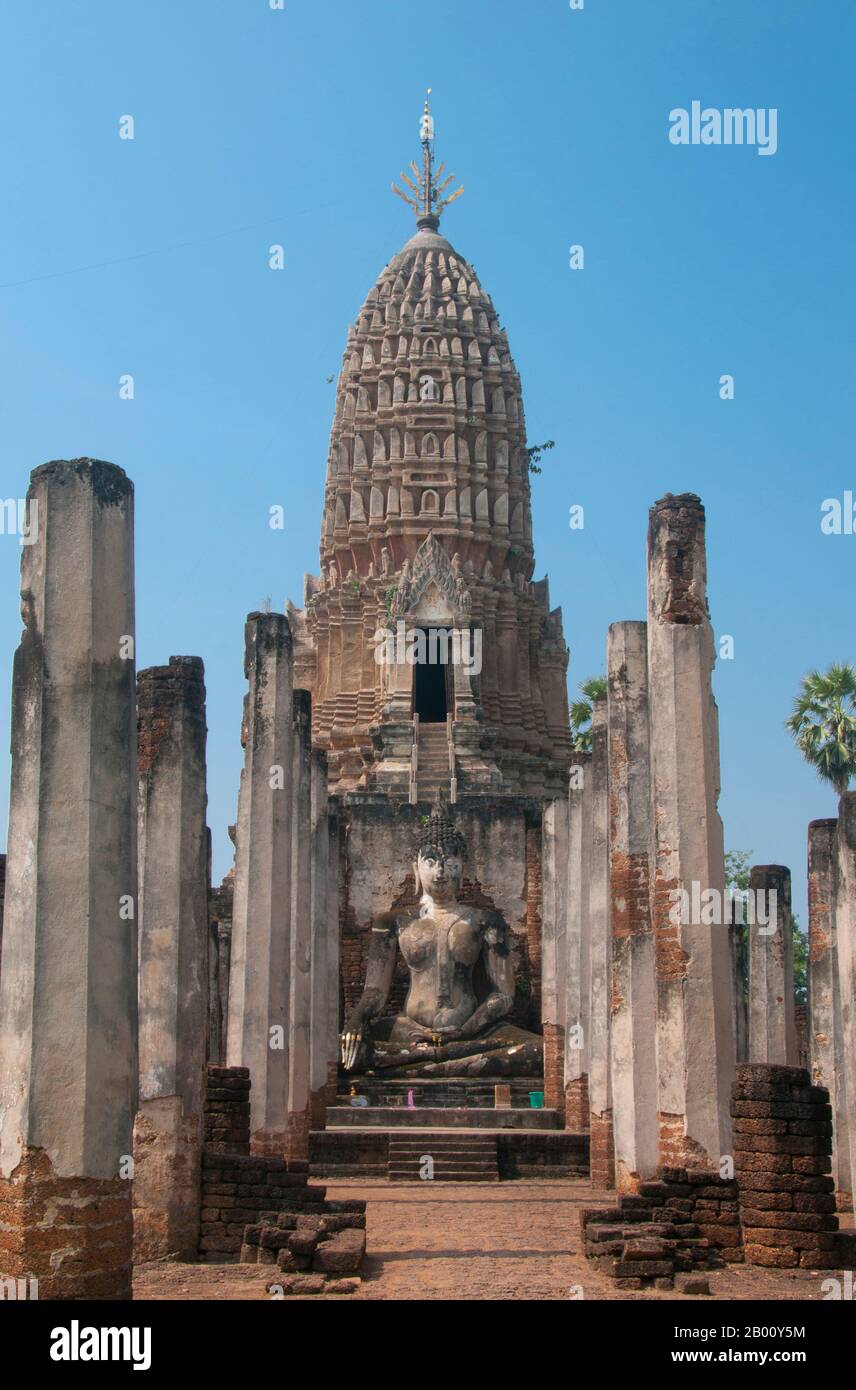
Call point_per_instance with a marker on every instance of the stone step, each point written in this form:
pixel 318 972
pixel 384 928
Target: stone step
pixel 445 1138
pixel 453 1158
pixel 444 1151
pixel 450 1176
pixel 462 1165
pixel 440 1117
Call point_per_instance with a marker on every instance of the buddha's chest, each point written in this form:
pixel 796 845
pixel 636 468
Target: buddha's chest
pixel 442 940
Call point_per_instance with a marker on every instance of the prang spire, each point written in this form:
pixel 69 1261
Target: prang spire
pixel 426 186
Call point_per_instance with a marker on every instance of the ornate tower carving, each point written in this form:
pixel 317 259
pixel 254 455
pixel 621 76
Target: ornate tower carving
pixel 427 520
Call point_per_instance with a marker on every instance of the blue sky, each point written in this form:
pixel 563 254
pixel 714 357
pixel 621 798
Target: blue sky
pixel 255 126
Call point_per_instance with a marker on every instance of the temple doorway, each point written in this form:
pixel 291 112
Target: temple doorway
pixel 431 683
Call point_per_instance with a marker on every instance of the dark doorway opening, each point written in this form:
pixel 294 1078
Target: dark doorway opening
pixel 430 689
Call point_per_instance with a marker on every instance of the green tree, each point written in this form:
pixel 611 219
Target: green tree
pixel 823 723
pixel 535 454
pixel 580 712
pixel 800 963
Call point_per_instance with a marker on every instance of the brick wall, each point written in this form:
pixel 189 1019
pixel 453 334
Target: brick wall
pixel 577 1105
pixel 554 1069
pixel 782 1153
pixel 684 1220
pixel 602 1150
pixel 227 1110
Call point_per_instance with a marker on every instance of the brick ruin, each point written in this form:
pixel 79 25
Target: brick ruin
pixel 184 1096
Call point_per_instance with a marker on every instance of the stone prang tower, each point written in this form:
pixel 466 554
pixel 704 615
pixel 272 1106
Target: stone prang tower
pixel 427 527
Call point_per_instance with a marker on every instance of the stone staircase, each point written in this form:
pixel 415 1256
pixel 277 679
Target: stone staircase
pixel 442 1158
pixel 432 771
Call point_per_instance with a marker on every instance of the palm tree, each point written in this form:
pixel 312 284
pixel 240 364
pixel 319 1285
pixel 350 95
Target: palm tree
pixel 824 723
pixel 580 712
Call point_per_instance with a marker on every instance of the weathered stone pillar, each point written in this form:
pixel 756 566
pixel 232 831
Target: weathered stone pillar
pixel 334 946
pixel 173 928
pixel 634 987
pixel 772 1007
pixel 737 933
pixel 300 1013
pixel 554 958
pixel 600 961
pixel 224 956
pixel 577 977
pixel 68 999
pixel 826 1041
pixel 695 1034
pixel 2 901
pixel 214 1056
pixel 324 964
pixel 220 913
pixel 845 936
pixel 261 929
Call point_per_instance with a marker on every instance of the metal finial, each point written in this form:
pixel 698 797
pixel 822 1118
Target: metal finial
pixel 427 201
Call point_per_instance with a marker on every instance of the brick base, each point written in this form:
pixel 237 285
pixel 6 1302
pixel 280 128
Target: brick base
pixel 577 1105
pixel 318 1108
pixel 332 1082
pixel 554 1069
pixel 297 1139
pixel 602 1150
pixel 227 1110
pixel 677 1149
pixel 71 1234
pixel 167 1162
pixel 782 1148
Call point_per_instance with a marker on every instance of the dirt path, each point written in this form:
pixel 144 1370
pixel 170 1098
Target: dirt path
pixel 517 1240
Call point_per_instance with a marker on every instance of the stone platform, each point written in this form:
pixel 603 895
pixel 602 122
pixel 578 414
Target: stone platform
pixel 437 1117
pixel 447 1092
pixel 377 1153
pixel 454 1122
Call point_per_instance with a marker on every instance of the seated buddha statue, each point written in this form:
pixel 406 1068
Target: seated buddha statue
pixel 456 1014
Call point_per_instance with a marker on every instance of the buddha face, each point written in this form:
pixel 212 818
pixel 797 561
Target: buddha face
pixel 440 874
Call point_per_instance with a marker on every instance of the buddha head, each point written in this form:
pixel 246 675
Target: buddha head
pixel 439 866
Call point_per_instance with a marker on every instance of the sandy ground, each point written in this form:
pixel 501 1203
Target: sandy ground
pixel 515 1240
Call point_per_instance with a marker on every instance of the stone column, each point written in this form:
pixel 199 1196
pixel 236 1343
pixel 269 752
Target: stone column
pixel 740 988
pixel 224 956
pixel 68 1000
pixel 577 979
pixel 215 1013
pixel 826 1041
pixel 600 961
pixel 2 901
pixel 695 1034
pixel 845 936
pixel 335 948
pixel 324 965
pixel 634 986
pixel 554 961
pixel 772 1007
pixel 261 929
pixel 300 1013
pixel 173 928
